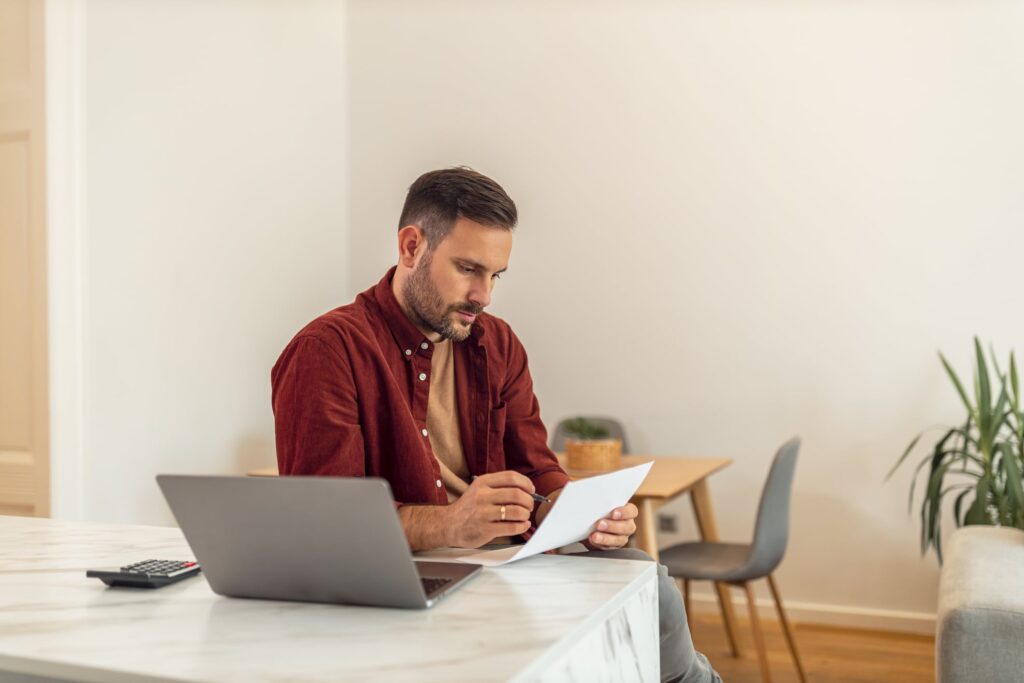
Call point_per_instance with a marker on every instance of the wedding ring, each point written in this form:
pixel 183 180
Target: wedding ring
pixel 503 513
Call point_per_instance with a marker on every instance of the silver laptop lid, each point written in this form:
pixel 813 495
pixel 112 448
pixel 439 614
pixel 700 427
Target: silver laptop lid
pixel 315 539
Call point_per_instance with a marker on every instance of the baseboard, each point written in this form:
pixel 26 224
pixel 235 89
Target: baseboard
pixel 825 615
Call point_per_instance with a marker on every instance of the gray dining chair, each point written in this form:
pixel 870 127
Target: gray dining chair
pixel 613 426
pixel 737 564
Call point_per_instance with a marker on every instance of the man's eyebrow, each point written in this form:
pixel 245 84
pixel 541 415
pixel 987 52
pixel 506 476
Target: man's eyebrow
pixel 477 264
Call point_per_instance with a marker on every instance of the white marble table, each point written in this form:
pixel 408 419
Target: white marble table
pixel 549 618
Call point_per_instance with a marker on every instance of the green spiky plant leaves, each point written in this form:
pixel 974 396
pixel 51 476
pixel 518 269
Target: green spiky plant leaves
pixel 978 463
pixel 586 430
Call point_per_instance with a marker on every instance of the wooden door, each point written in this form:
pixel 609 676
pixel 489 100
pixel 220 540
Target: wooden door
pixel 24 442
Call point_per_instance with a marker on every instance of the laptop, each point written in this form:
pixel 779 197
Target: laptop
pixel 307 539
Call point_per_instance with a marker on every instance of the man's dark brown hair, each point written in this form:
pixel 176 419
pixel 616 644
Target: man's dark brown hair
pixel 438 198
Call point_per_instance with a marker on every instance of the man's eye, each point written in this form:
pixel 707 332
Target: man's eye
pixel 466 269
pixel 496 276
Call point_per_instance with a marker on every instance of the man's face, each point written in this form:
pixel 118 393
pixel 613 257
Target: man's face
pixel 452 282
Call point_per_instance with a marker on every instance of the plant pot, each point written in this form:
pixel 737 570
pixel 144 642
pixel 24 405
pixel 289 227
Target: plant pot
pixel 597 455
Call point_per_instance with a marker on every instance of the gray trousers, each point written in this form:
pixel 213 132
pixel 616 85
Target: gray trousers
pixel 680 663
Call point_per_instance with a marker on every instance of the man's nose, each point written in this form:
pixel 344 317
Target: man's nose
pixel 480 295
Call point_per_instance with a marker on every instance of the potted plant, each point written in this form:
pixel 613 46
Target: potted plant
pixel 589 446
pixel 979 461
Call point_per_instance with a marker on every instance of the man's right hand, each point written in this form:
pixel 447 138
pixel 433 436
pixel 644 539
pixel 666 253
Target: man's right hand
pixel 475 518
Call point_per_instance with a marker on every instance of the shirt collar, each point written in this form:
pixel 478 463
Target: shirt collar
pixel 402 329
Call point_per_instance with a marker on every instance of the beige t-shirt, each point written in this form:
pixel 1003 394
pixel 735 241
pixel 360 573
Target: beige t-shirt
pixel 443 421
pixel 443 426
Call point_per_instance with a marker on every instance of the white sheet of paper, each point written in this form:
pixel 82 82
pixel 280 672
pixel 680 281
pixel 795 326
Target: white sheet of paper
pixel 573 517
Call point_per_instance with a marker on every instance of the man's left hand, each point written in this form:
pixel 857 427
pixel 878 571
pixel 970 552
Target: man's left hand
pixel 614 530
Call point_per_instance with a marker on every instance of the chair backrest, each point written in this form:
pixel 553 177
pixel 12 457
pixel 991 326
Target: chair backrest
pixel 771 532
pixel 613 426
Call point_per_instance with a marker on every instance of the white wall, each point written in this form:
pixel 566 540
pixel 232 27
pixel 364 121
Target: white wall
pixel 739 221
pixel 209 143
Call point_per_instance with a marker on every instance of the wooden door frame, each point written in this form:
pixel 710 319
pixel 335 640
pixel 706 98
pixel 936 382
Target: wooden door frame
pixel 38 246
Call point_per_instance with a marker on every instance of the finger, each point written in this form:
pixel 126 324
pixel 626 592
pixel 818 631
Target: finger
pixel 510 496
pixel 608 540
pixel 513 513
pixel 622 528
pixel 507 478
pixel 627 511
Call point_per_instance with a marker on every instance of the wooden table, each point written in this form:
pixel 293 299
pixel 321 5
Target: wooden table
pixel 668 478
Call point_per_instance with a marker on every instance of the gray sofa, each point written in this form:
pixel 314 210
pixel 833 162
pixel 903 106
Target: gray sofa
pixel 980 627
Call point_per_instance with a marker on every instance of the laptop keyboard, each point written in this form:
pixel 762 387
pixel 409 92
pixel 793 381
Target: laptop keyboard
pixel 432 584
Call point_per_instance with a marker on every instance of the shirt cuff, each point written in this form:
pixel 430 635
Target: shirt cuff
pixel 550 481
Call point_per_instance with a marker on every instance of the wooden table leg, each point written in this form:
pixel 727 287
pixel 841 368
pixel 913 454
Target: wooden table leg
pixel 646 531
pixel 705 514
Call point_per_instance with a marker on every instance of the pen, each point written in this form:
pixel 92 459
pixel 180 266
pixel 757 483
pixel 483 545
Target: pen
pixel 536 496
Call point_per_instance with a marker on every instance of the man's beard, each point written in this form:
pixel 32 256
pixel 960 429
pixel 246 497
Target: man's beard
pixel 427 306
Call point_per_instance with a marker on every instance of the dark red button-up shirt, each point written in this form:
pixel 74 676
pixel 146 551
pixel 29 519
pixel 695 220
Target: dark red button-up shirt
pixel 350 399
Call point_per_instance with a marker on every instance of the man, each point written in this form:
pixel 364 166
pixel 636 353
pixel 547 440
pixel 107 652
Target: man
pixel 414 383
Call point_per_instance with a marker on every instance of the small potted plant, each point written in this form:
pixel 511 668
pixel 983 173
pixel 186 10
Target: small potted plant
pixel 589 447
pixel 979 463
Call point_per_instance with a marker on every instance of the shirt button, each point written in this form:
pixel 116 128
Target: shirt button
pixel 408 352
pixel 438 482
pixel 424 345
pixel 423 432
pixel 423 376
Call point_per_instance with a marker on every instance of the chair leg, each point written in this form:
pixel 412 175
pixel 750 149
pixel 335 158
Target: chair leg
pixel 728 618
pixel 755 625
pixel 786 629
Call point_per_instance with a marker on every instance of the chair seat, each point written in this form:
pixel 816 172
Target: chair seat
pixel 709 561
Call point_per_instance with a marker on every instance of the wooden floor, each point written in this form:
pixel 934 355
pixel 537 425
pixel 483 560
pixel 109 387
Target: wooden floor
pixel 829 654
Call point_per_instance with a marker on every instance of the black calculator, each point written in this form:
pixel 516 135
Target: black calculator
pixel 146 574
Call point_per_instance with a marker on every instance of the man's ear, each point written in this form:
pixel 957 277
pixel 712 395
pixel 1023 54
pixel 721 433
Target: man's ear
pixel 411 243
